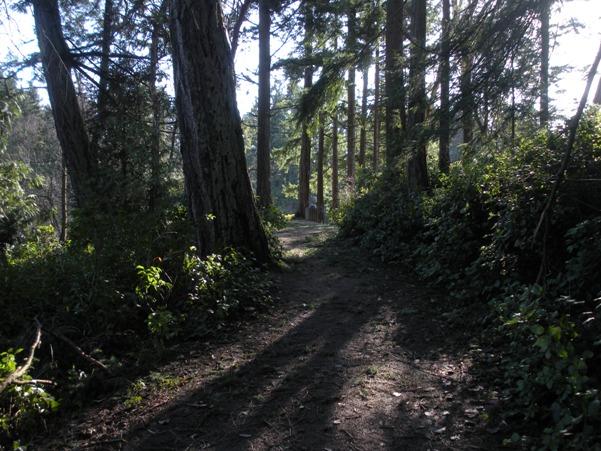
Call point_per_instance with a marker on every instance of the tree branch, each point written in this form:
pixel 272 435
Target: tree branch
pixel 20 371
pixel 83 355
pixel 566 156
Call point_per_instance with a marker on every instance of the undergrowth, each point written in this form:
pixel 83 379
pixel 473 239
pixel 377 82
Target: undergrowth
pixel 107 303
pixel 474 235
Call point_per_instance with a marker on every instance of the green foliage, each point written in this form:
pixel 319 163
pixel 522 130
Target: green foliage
pixel 273 219
pixel 221 287
pixel 473 234
pixel 384 220
pixel 101 292
pixel 17 208
pixel 21 405
pixel 550 369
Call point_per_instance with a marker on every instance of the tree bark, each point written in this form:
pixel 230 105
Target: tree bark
pixel 57 63
pixel 335 183
pixel 394 80
pixel 363 130
pixel 445 78
pixel 545 17
pixel 304 173
pixel 320 162
pixel 417 169
pixel 351 100
pixel 264 107
pixel 155 150
pixel 107 41
pixel 219 192
pixel 376 110
pixel 467 100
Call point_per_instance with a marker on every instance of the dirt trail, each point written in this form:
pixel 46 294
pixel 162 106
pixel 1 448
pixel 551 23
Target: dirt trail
pixel 353 357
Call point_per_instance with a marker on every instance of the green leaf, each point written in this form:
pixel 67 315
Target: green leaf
pixel 537 329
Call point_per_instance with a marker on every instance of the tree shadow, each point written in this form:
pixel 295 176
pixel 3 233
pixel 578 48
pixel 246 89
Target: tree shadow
pixel 345 362
pixel 284 395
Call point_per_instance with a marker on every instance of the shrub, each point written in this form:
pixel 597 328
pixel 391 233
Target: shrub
pixel 473 234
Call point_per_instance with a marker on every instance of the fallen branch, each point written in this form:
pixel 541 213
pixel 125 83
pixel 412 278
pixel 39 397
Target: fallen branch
pixel 16 375
pixel 91 360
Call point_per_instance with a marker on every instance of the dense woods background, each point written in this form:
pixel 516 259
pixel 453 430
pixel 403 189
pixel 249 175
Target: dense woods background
pixel 137 206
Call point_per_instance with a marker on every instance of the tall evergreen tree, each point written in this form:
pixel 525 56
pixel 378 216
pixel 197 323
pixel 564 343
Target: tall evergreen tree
pixel 396 116
pixel 417 169
pixel 58 62
pixel 264 107
pixel 305 156
pixel 220 195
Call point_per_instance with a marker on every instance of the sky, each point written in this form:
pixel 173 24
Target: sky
pixel 576 48
pixel 579 50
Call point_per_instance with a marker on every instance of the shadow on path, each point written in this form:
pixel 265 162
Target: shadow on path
pixel 354 357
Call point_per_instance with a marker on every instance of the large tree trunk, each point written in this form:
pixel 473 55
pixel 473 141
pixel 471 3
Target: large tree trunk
pixel 155 146
pixel 376 110
pixel 351 100
pixel 57 62
pixel 417 169
pixel 221 201
pixel 445 78
pixel 335 184
pixel 467 100
pixel 545 17
pixel 394 80
pixel 363 130
pixel 264 110
pixel 304 169
pixel 321 150
pixel 107 41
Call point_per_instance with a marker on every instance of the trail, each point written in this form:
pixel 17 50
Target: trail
pixel 354 356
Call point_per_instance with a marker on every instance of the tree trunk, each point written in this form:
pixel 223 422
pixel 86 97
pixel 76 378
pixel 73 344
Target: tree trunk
pixel 320 159
pixel 417 169
pixel 545 17
pixel 376 110
pixel 445 104
pixel 335 184
pixel 363 131
pixel 351 100
pixel 219 192
pixel 57 62
pixel 467 100
pixel 155 146
pixel 305 156
pixel 107 41
pixel 64 209
pixel 264 106
pixel 394 81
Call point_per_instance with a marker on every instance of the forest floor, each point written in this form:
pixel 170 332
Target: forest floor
pixel 355 355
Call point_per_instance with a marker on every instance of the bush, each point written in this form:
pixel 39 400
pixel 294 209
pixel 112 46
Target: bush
pixel 114 292
pixel 473 234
